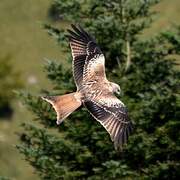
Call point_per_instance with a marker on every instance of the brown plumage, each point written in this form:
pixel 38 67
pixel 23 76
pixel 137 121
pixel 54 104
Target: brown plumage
pixel 94 91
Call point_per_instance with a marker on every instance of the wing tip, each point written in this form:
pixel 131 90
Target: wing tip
pixel 123 137
pixel 78 33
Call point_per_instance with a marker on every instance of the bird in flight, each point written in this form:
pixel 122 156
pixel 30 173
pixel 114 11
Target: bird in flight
pixel 94 91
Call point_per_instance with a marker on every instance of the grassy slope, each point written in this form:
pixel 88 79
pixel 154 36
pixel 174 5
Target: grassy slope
pixel 22 38
pixel 168 14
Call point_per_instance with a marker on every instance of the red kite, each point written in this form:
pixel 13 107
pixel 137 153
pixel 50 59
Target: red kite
pixel 94 91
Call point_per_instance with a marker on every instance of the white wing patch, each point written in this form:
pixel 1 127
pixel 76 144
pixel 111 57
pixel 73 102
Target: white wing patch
pixel 93 65
pixel 111 101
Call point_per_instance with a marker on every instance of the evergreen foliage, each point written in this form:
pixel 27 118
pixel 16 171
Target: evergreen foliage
pixel 145 70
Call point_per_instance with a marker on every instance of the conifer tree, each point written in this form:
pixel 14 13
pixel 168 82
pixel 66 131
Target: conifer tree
pixel 145 70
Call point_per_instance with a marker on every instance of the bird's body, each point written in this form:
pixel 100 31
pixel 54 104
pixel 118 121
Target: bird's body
pixel 94 91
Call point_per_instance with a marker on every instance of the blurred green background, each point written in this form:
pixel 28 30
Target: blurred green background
pixel 26 44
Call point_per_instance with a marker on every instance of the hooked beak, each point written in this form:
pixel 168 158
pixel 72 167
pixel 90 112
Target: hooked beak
pixel 118 91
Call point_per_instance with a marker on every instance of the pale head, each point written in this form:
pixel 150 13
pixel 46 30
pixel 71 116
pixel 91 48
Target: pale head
pixel 115 88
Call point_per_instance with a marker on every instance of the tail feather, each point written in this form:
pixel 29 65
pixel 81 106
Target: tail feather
pixel 64 105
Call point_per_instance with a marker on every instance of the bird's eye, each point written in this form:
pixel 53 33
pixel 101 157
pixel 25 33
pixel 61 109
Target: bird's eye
pixel 118 91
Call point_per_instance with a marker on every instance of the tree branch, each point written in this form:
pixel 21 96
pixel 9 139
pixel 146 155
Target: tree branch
pixel 128 62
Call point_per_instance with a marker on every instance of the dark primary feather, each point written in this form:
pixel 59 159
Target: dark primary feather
pixel 84 48
pixel 114 121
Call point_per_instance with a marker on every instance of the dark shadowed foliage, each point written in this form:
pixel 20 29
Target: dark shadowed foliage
pixel 9 81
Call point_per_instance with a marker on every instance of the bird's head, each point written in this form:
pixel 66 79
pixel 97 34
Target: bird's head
pixel 115 88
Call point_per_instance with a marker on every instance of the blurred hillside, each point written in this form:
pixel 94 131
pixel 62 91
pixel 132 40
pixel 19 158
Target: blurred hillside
pixel 22 38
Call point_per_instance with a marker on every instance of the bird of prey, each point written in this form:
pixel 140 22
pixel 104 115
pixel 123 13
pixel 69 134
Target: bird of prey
pixel 94 91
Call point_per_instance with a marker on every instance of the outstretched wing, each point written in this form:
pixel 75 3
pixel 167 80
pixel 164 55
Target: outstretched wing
pixel 112 114
pixel 88 60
